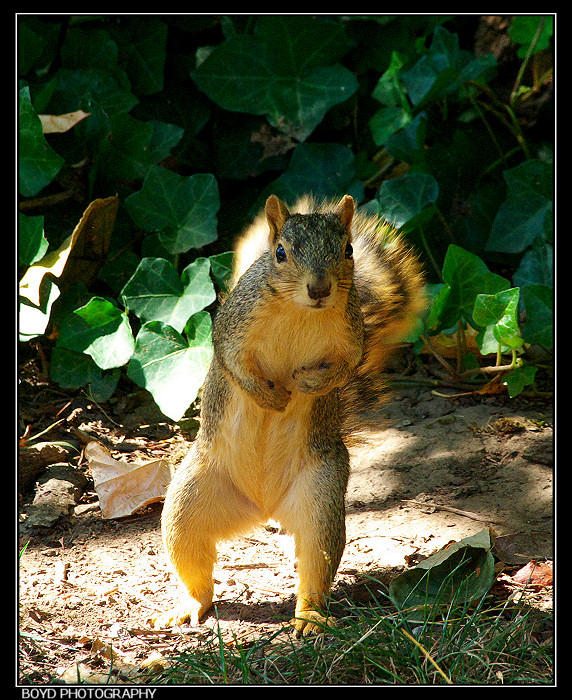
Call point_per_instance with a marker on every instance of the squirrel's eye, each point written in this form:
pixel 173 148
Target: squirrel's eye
pixel 349 251
pixel 280 254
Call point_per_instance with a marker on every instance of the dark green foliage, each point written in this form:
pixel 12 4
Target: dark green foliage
pixel 194 120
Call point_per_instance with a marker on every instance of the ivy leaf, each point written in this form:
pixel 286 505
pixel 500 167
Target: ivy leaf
pixel 527 212
pixel 498 316
pixel 98 329
pixel 386 122
pixel 443 70
pixel 403 198
pixel 181 209
pixel 221 268
pixel 281 72
pixel 38 163
pixel 464 570
pixel 134 146
pixel 536 266
pixel 523 29
pixel 518 378
pixel 87 88
pixel 85 49
pixel 32 244
pixel 389 90
pixel 539 305
pixel 325 169
pixel 143 44
pixel 72 370
pixel 408 143
pixel 465 276
pixel 156 293
pixel 172 367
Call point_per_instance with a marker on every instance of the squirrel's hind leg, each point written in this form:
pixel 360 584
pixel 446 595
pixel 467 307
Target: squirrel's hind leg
pixel 314 513
pixel 201 507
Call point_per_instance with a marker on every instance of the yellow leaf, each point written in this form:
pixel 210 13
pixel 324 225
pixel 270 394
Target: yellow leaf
pixel 53 263
pixel 59 123
pixel 123 488
pixel 88 245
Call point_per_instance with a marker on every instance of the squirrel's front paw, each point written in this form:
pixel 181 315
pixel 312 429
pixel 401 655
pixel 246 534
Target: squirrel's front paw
pixel 315 379
pixel 276 396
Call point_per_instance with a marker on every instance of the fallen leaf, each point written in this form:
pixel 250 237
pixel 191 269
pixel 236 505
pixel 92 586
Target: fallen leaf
pixel 123 487
pixel 535 574
pixel 154 662
pixel 79 673
pixel 446 344
pixel 80 256
pixel 464 568
pixel 517 548
pixel 494 386
pixel 60 123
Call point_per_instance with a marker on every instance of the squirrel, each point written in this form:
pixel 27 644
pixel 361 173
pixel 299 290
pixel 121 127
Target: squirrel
pixel 317 299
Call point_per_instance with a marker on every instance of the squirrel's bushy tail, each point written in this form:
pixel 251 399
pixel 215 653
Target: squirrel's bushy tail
pixel 388 279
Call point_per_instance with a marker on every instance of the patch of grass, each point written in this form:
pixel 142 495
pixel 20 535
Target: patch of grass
pixel 487 643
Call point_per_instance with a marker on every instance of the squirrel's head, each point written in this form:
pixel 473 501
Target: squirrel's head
pixel 312 254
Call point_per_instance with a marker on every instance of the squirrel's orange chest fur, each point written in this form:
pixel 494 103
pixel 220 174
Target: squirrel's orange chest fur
pixel 262 450
pixel 286 336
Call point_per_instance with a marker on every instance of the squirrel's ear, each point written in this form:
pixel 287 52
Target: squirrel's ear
pixel 345 211
pixel 276 215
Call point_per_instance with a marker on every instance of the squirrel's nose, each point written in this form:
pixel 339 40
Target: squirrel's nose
pixel 319 289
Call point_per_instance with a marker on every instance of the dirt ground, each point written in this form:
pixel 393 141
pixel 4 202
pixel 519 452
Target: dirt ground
pixel 430 470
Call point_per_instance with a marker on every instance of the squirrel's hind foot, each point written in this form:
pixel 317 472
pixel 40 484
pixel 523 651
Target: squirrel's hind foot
pixel 190 612
pixel 311 622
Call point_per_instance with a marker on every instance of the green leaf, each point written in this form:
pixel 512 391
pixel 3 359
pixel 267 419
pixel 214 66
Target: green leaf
pixel 527 212
pixel 181 209
pixel 156 293
pixel 523 29
pixel 89 48
pixel 386 122
pixel 294 44
pixel 465 275
pixel 498 316
pixel 38 163
pixel 408 144
pixel 325 169
pixel 443 70
pixel 281 72
pixel 389 90
pixel 143 44
pixel 72 370
pixel 405 197
pixel 98 329
pixel 91 89
pixel 32 244
pixel 37 43
pixel 170 366
pixel 539 305
pixel 518 378
pixel 221 268
pixel 536 266
pixel 134 146
pixel 438 296
pixel 463 572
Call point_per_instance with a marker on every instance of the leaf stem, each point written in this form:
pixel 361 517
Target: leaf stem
pixel 532 46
